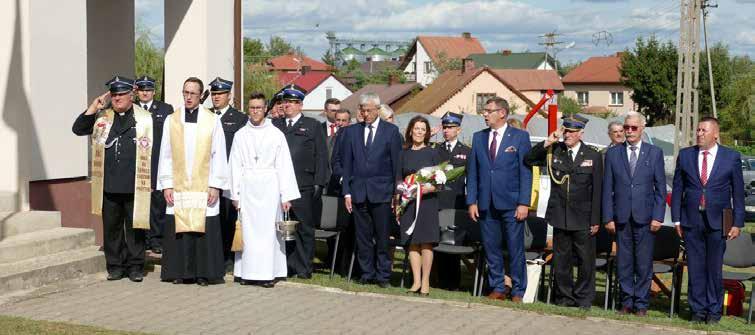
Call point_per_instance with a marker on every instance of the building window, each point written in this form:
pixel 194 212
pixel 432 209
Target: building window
pixel 328 92
pixel 617 98
pixel 481 99
pixel 583 98
pixel 428 67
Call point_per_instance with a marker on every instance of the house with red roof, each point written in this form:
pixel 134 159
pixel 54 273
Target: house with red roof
pixel 319 86
pixel 296 63
pixel 429 52
pixel 596 86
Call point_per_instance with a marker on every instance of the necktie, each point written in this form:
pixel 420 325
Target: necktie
pixel 145 107
pixel 448 147
pixel 704 177
pixel 632 159
pixel 493 146
pixel 369 137
pixel 217 111
pixel 571 155
pixel 290 123
pixel 332 130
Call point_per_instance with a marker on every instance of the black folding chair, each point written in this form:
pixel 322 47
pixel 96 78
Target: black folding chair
pixel 741 254
pixel 458 221
pixel 666 250
pixel 328 226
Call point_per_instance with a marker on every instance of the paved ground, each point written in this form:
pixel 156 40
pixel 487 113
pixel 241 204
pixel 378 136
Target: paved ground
pixel 289 308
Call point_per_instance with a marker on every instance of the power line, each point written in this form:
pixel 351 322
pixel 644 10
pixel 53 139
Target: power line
pixel 549 43
pixel 705 6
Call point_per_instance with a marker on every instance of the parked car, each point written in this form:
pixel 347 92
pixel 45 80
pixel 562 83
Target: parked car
pixel 748 169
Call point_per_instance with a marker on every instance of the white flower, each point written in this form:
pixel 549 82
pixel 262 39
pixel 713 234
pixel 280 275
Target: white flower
pixel 425 173
pixel 449 167
pixel 440 177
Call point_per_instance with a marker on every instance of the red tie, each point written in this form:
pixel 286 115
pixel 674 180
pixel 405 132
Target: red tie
pixel 493 145
pixel 704 176
pixel 332 130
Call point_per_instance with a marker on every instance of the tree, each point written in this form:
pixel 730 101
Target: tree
pixel 254 51
pixel 737 116
pixel 148 59
pixel 722 74
pixel 278 47
pixel 564 69
pixel 258 79
pixel 329 58
pixel 650 71
pixel 568 106
pixel 445 63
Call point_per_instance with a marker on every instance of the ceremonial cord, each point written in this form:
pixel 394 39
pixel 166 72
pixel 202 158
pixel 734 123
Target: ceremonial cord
pixel 563 179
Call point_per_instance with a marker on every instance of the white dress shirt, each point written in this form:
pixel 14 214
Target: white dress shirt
pixel 148 104
pixel 453 144
pixel 637 151
pixel 498 136
pixel 711 158
pixel 328 126
pixel 223 110
pixel 374 130
pixel 293 120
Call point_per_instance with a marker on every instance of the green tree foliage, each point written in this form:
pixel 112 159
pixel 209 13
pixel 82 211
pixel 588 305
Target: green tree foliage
pixel 329 58
pixel 568 106
pixel 650 71
pixel 737 111
pixel 258 79
pixel 446 63
pixel 723 71
pixel 148 59
pixel 256 52
pixel 564 69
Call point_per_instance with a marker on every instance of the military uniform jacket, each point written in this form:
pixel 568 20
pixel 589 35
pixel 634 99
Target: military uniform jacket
pixel 120 157
pixel 457 157
pixel 160 112
pixel 309 153
pixel 232 121
pixel 580 207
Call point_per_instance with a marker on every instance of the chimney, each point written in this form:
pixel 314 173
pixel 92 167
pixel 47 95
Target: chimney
pixel 305 69
pixel 466 35
pixel 506 52
pixel 467 64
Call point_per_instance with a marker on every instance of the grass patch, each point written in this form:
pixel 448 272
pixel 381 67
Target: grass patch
pixel 657 315
pixel 749 227
pixel 21 326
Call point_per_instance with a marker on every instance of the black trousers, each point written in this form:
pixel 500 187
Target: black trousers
pixel 372 222
pixel 190 256
pixel 573 248
pixel 301 251
pixel 123 245
pixel 228 216
pixel 157 219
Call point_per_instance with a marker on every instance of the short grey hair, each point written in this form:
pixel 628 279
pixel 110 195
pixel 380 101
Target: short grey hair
pixel 614 123
pixel 369 97
pixel 385 111
pixel 637 115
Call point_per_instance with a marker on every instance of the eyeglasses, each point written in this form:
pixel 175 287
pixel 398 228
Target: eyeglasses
pixel 488 111
pixel 632 128
pixel 190 94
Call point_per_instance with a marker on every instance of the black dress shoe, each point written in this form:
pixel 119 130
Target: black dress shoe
pixel 178 281
pixel 267 284
pixel 712 320
pixel 697 318
pixel 304 276
pixel 136 277
pixel 115 275
pixel 362 281
pixel 236 279
pixel 246 282
pixel 203 282
pixel 383 284
pixel 157 249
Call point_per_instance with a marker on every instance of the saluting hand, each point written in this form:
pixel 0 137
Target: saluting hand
pixel 554 136
pixel 97 104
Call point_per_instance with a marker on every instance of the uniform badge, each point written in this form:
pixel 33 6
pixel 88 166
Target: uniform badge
pixel 144 142
pixel 230 123
pixel 460 156
pixel 302 129
pixel 587 162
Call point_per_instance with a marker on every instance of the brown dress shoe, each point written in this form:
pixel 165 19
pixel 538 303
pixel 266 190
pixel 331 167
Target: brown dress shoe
pixel 641 312
pixel 624 311
pixel 516 299
pixel 495 295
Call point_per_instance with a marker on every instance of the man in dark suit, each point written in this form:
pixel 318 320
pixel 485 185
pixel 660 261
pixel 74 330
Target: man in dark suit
pixel 370 171
pixel 456 153
pixel 707 180
pixel 576 171
pixel 232 120
pixel 145 92
pixel 498 193
pixel 306 141
pixel 634 204
pixel 344 224
pixel 122 243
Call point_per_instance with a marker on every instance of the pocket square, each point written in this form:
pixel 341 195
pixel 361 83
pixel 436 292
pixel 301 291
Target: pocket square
pixel 511 149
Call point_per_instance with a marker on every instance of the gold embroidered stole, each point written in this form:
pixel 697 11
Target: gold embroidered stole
pixel 142 178
pixel 190 193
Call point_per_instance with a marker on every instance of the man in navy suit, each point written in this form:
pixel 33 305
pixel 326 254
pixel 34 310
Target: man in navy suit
pixel 634 195
pixel 370 171
pixel 707 180
pixel 499 186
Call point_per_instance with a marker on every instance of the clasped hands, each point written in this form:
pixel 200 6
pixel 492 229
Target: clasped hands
pixel 213 194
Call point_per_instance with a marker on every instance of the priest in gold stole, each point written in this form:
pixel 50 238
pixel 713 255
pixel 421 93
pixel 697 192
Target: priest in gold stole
pixel 121 143
pixel 192 173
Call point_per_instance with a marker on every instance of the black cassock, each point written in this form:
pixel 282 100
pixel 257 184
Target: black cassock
pixel 189 256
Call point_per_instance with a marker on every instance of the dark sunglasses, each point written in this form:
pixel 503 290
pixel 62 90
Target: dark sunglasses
pixel 633 128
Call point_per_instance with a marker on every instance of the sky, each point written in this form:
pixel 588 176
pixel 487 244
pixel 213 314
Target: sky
pixel 498 24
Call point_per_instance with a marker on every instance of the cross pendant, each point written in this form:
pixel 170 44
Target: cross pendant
pixel 255 159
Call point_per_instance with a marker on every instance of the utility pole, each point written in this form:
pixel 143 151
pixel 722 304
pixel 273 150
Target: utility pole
pixel 688 75
pixel 705 7
pixel 550 42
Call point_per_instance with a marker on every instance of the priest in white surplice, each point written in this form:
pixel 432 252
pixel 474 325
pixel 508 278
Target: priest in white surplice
pixel 262 185
pixel 192 172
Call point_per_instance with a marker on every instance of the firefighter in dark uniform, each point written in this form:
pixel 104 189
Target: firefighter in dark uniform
pixel 145 94
pixel 232 120
pixel 309 153
pixel 576 172
pixel 123 245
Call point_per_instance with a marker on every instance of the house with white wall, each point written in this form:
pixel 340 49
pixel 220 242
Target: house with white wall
pixel 429 52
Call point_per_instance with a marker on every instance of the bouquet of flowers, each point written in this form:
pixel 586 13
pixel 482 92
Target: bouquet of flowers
pixel 411 188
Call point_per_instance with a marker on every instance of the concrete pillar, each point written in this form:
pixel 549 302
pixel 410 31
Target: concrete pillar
pixel 110 43
pixel 199 40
